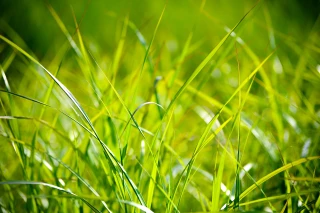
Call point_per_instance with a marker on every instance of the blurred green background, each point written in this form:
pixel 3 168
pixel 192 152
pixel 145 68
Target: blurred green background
pixel 100 20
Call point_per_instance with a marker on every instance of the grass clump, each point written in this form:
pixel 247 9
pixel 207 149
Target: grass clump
pixel 159 107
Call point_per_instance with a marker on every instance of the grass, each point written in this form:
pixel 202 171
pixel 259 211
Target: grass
pixel 162 107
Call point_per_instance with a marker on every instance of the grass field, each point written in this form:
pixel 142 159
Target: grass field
pixel 160 106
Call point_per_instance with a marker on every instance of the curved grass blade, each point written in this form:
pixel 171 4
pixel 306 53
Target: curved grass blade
pixel 46 105
pixel 50 186
pixel 137 109
pixel 108 153
pixel 280 197
pixel 205 97
pixel 272 174
pixel 40 121
pixel 138 206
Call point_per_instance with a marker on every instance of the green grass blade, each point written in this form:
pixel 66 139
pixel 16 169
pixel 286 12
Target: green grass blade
pixel 50 186
pixel 272 174
pixel 280 197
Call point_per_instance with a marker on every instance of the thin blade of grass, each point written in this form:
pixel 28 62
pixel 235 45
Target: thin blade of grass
pixel 46 105
pixel 272 174
pixel 280 197
pixel 50 186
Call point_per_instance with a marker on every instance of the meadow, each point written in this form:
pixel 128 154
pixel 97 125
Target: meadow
pixel 160 106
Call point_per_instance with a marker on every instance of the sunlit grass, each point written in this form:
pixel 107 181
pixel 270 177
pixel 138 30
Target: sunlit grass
pixel 160 120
